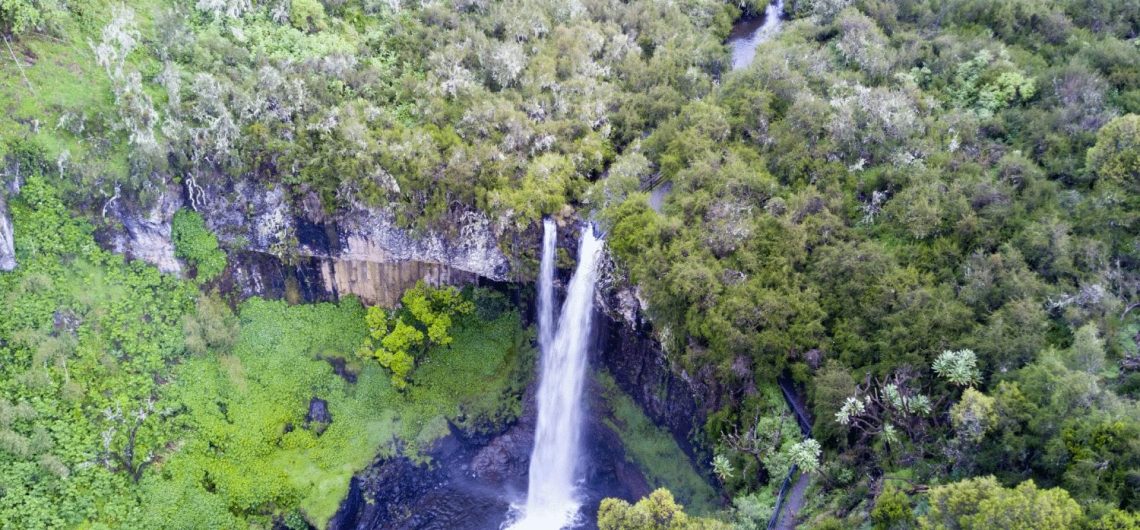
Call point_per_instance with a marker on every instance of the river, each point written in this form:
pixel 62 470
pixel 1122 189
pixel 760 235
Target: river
pixel 748 33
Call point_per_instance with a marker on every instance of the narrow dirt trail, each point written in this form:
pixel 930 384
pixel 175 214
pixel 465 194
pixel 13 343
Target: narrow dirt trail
pixel 794 501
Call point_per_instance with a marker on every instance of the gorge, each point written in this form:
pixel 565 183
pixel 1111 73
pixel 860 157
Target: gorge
pixel 569 264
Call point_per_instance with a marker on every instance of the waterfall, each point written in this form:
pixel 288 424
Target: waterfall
pixel 546 286
pixel 551 501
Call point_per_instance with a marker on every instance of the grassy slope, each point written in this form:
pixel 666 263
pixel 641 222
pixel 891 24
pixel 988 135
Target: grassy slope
pixel 655 452
pixel 64 77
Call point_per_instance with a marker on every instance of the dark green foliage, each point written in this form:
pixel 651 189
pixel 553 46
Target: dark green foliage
pixel 892 511
pixel 195 243
pixel 890 181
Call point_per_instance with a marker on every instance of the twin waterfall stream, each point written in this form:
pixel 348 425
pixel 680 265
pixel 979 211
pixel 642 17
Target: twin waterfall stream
pixel 552 500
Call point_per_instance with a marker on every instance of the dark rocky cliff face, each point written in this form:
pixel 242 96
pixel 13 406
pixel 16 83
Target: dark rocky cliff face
pixel 471 483
pixel 278 249
pixel 634 358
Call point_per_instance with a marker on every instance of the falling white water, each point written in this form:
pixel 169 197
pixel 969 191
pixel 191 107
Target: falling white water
pixel 546 286
pixel 551 501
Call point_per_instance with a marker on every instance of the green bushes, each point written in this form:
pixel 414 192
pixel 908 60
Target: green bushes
pixel 85 339
pixel 422 322
pixel 983 503
pixel 21 16
pixel 657 511
pixel 195 243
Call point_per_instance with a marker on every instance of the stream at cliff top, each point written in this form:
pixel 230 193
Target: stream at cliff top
pixel 749 33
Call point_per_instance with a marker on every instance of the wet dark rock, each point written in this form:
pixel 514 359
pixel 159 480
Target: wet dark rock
pixel 65 321
pixel 340 368
pixel 397 493
pixel 633 356
pixel 505 457
pixel 473 481
pixel 144 233
pixel 319 417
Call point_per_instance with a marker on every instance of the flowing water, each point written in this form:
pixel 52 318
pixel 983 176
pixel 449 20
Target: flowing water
pixel 749 33
pixel 553 501
pixel 546 286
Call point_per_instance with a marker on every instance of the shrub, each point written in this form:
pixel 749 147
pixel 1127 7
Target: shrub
pixel 195 243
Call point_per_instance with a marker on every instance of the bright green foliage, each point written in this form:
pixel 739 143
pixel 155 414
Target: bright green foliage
pixel 18 17
pixel 423 321
pixel 1087 352
pixel 195 243
pixel 979 86
pixel 1116 155
pixel 754 510
pixel 973 416
pixel 805 455
pixel 245 425
pixel 722 467
pixel 307 15
pixel 1116 520
pixel 543 190
pixel 1114 208
pixel 212 326
pixel 982 503
pixel 658 511
pixel 395 349
pixel 433 308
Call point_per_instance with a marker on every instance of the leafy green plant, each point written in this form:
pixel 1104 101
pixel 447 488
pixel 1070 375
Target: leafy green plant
pixel 85 340
pixel 195 243
pixel 423 321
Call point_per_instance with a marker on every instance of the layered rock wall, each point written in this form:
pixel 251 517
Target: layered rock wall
pixel 280 250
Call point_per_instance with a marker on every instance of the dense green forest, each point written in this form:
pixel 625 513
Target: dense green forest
pixel 926 213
